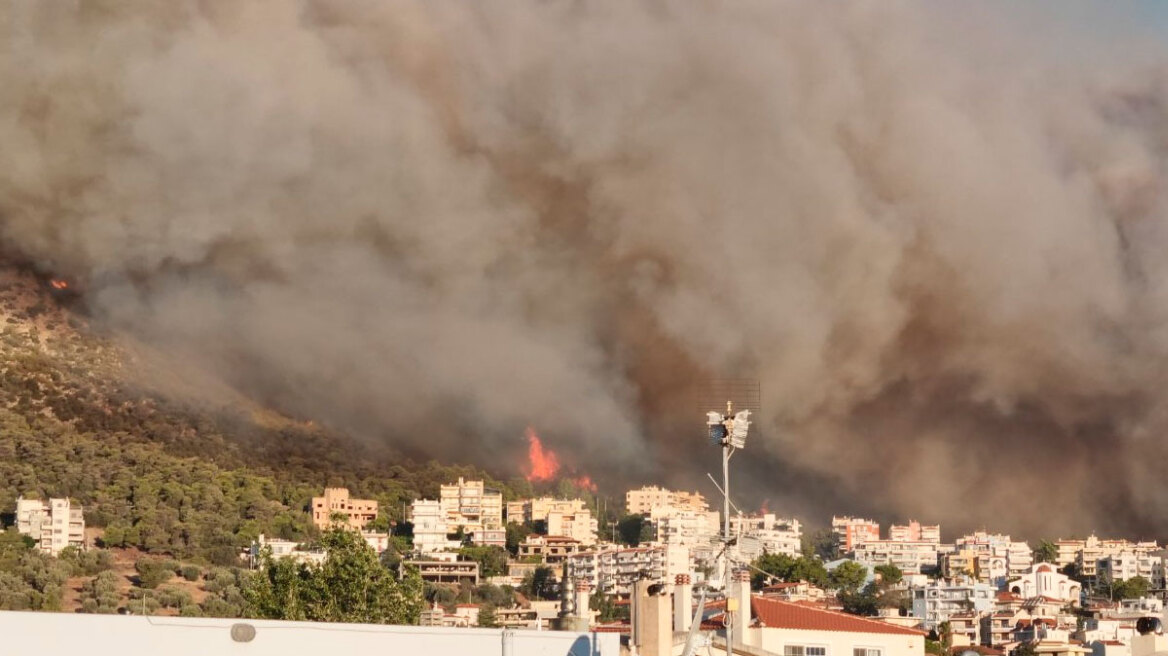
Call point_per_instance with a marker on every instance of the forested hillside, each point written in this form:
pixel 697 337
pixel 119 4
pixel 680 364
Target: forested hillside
pixel 81 417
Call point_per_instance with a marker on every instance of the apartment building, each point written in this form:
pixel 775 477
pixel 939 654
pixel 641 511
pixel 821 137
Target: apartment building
pixel 1127 564
pixel 998 558
pixel 54 524
pixel 853 531
pixel 774 535
pixel 614 571
pixel 578 525
pixel 468 504
pixel 1086 554
pixel 430 531
pixel 939 601
pixel 537 510
pixel 642 501
pixel 336 500
pixel 688 528
pixel 549 549
pixel 910 557
pixel 914 531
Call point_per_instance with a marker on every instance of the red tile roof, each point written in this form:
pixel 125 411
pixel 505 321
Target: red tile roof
pixel 786 615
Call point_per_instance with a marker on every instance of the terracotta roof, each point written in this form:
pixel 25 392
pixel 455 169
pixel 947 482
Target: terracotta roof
pixel 785 615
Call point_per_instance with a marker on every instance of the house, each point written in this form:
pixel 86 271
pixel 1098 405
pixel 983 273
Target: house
pixel 336 501
pixel 53 524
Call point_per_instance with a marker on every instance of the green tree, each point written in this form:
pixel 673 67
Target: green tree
pixel 860 602
pixel 516 533
pixel 1046 552
pixel 1132 588
pixel 350 586
pixel 821 544
pixel 633 529
pixel 889 574
pixel 1025 649
pixel 492 560
pixel 785 568
pixel 539 583
pixel 848 576
pixel 487 616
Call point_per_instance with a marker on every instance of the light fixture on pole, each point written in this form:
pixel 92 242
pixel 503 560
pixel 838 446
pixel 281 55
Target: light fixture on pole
pixel 727 430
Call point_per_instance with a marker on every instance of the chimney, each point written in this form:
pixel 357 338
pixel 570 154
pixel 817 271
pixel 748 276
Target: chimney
pixel 652 635
pixel 682 603
pixel 738 601
pixel 583 599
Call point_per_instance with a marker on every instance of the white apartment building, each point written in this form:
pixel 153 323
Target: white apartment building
pixel 1127 564
pixel 998 557
pixel 853 531
pixel 54 524
pixel 430 528
pixel 469 505
pixel 614 571
pixel 1086 554
pixel 937 602
pixel 284 549
pixel 642 501
pixel 773 535
pixel 686 528
pixel 910 557
pixel 914 531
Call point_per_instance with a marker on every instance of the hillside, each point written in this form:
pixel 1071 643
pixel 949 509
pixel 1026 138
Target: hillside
pixel 164 458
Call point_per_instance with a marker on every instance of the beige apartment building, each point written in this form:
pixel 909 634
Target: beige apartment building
pixel 642 501
pixel 537 510
pixel 336 500
pixel 54 524
pixel 470 505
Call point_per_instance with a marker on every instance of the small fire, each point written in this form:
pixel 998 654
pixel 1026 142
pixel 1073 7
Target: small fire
pixel 57 283
pixel 542 464
pixel 585 483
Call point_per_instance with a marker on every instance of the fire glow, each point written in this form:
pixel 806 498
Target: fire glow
pixel 543 464
pixel 57 283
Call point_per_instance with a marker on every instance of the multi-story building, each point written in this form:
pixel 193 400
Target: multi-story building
pixel 1086 554
pixel 910 557
pixel 614 571
pixel 772 534
pixel 683 527
pixel 998 557
pixel 284 549
pixel 336 500
pixel 578 525
pixel 937 602
pixel 537 510
pixel 853 531
pixel 1127 564
pixel 549 549
pixel 914 531
pixel 54 524
pixel 469 505
pixel 642 501
pixel 430 531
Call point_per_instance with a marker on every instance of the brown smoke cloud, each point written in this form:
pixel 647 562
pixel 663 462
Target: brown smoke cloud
pixel 934 234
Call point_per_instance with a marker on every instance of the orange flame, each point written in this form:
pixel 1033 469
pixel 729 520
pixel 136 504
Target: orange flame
pixel 585 483
pixel 542 465
pixel 57 283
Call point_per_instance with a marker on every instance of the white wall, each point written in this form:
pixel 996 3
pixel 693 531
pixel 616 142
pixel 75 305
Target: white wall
pixel 840 643
pixel 115 635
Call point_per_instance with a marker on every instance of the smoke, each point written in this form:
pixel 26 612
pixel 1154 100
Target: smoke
pixel 933 232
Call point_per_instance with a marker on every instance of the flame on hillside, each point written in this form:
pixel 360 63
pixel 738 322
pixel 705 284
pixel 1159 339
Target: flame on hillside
pixel 57 283
pixel 543 464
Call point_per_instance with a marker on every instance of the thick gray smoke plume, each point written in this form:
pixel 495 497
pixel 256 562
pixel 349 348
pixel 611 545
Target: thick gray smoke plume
pixel 936 234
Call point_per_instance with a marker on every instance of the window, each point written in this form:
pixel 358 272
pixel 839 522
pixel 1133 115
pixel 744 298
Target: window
pixel 802 650
pixel 866 651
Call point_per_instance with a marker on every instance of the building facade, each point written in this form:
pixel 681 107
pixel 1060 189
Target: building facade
pixel 54 524
pixel 643 500
pixel 770 534
pixel 936 603
pixel 853 531
pixel 336 500
pixel 914 531
pixel 469 505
